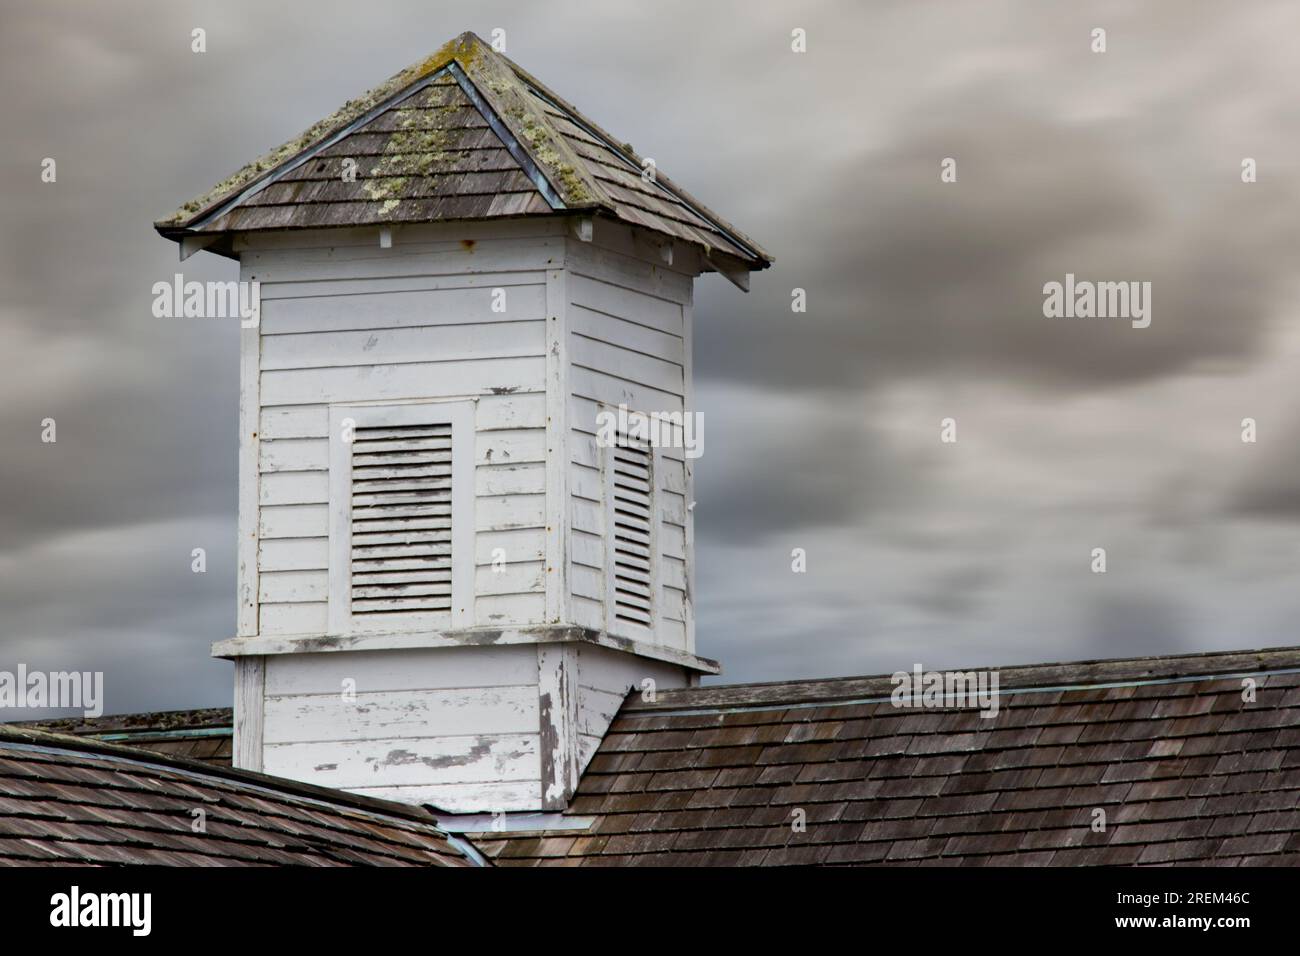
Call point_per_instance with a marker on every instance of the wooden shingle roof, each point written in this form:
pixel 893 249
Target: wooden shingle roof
pixel 464 134
pixel 1186 769
pixel 70 801
pixel 204 735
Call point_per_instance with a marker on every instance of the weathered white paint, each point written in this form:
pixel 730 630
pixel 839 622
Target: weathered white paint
pixel 628 345
pixel 463 711
pixel 250 685
pixel 249 474
pixel 408 761
pixel 497 709
pixel 557 688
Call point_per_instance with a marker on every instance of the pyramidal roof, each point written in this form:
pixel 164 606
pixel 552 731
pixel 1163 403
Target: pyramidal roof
pixel 464 134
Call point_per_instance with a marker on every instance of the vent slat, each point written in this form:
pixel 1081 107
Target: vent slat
pixel 401 605
pixel 432 486
pixel 421 589
pixel 369 579
pixel 632 503
pixel 363 457
pixel 366 447
pixel 424 564
pixel 409 432
pixel 401 519
pixel 403 552
pixel 389 510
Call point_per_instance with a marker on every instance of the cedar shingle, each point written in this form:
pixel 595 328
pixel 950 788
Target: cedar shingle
pixel 1184 771
pixel 120 805
pixel 415 140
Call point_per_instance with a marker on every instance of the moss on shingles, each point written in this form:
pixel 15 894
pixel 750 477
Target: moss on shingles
pixel 542 145
pixel 465 48
pixel 407 153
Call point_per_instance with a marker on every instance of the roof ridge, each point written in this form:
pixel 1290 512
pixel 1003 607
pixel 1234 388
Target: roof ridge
pixel 1086 673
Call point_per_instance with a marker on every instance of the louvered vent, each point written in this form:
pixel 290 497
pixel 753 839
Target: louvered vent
pixel 401 519
pixel 633 487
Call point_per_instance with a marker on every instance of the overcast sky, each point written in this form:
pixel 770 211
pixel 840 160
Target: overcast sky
pixel 822 429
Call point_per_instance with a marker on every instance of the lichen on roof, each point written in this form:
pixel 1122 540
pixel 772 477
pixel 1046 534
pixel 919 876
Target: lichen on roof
pixel 462 134
pixel 463 48
pixel 543 145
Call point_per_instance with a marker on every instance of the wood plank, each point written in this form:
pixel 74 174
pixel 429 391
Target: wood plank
pixel 557 688
pixel 599 386
pixel 672 540
pixel 339 310
pixel 588 613
pixel 584 421
pixel 588 581
pixel 520 410
pixel 409 714
pixel 587 516
pixel 310 619
pixel 612 299
pixel 463 797
pixel 521 545
pixel 250 681
pixel 294 454
pixel 303 554
pixel 294 488
pixel 292 587
pixel 627 332
pixel 410 381
pixel 508 512
pixel 294 421
pixel 342 288
pixel 521 577
pixel 556 479
pixel 412 233
pixel 587 550
pixel 294 521
pixel 512 479
pixel 405 761
pixel 510 446
pixel 630 366
pixel 405 260
pixel 499 610
pixel 686 488
pixel 416 343
pixel 246 572
pixel 596 709
pixel 401 670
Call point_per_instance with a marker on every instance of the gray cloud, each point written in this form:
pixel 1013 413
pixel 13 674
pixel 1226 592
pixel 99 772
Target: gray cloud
pixel 924 302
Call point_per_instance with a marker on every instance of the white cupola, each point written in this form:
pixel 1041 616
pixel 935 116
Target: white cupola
pixel 466 441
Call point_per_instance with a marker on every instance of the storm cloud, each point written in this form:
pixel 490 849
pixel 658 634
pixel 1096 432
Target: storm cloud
pixel 924 304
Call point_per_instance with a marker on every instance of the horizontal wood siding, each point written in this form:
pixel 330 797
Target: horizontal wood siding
pixel 627 345
pixel 356 323
pixel 454 726
pixel 606 677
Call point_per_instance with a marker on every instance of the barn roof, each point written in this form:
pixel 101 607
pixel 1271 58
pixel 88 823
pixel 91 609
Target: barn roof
pixel 1186 770
pixel 463 134
pixel 69 800
pixel 204 735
